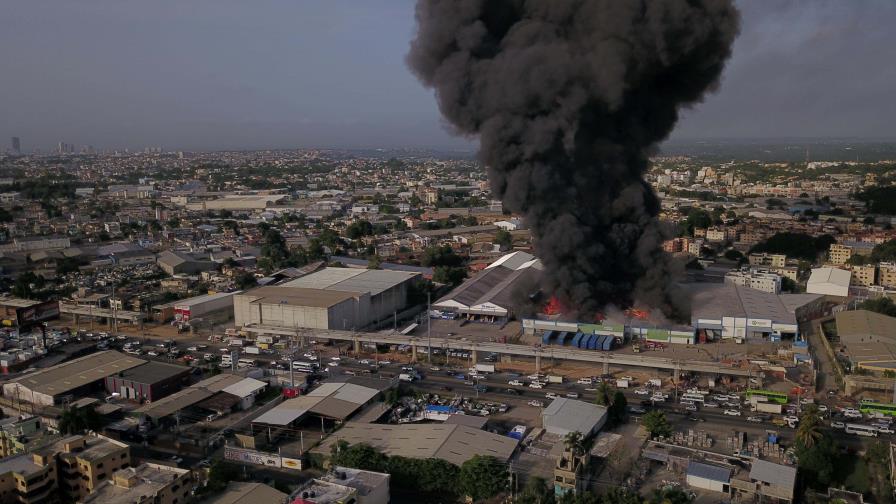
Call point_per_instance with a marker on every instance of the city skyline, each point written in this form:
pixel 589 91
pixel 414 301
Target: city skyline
pixel 333 75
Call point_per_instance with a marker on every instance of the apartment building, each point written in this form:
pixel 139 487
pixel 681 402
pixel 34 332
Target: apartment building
pixel 839 254
pixel 864 274
pixel 760 280
pixel 28 478
pixel 714 234
pixel 887 274
pixel 85 462
pixel 146 483
pixel 765 259
pixel 22 435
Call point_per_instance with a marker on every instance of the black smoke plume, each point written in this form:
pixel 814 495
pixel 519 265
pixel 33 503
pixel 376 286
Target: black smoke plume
pixel 567 98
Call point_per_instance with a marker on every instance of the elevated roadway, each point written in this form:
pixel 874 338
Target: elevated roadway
pixel 563 353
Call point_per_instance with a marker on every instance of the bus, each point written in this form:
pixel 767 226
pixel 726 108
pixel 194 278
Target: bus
pixel 861 430
pixel 777 397
pixel 304 366
pixel 245 363
pixel 868 406
pixel 692 398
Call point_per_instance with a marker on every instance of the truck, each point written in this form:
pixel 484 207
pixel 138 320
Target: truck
pixel 555 379
pixel 484 368
pixel 406 377
pixel 767 407
pixel 235 342
pixel 621 383
pixel 254 350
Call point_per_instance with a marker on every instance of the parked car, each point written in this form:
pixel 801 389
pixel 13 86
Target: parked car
pixel 536 385
pixel 641 391
pixel 536 403
pixel 732 412
pixel 691 407
pixel 515 382
pixel 551 395
pixel 838 425
pixel 572 395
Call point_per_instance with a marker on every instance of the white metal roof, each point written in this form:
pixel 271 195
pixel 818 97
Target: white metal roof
pixel 570 415
pixel 245 387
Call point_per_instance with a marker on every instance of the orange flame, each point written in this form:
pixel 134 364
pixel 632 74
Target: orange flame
pixel 638 314
pixel 553 307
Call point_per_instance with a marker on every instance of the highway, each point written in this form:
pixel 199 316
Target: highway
pixel 563 353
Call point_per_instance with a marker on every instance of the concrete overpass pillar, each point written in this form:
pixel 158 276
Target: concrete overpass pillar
pixel 413 351
pixel 676 375
pixel 606 368
pixel 357 346
pixel 77 321
pixel 474 355
pixel 537 363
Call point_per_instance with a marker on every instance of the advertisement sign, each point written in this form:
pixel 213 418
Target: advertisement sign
pixel 251 457
pixel 292 463
pixel 38 313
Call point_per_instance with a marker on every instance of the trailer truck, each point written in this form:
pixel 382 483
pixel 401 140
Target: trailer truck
pixel 484 368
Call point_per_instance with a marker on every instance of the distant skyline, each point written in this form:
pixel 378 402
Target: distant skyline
pixel 223 74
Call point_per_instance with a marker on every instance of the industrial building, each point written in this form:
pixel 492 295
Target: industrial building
pixel 76 377
pixel 248 493
pixel 733 311
pixel 829 282
pixel 219 394
pixel 210 307
pixel 452 443
pixel 346 484
pixel 491 293
pixel 333 401
pixel 149 382
pixel 564 415
pixel 332 298
pixel 868 340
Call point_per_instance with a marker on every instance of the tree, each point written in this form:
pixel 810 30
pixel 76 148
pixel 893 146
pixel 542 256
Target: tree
pixel 374 262
pixel 669 496
pixel 656 424
pixel 449 275
pixel 809 431
pixel 617 410
pixel 883 305
pixel 482 477
pixel 358 229
pixel 603 394
pixel 441 256
pixel 536 491
pixel 733 255
pixel 245 280
pixel 359 456
pixel 219 475
pixel 796 245
pixel 879 200
pixel 78 420
pixel 816 463
pixel 696 218
pixel 504 239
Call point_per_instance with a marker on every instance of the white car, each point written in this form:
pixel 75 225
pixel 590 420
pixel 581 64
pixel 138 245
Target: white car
pixel 822 408
pixel 537 404
pixel 193 349
pixel 641 391
pixel 883 429
pixel 732 412
pixel 334 364
pixel 362 361
pixel 585 381
pixel 572 395
pixel 385 363
pixel 551 395
pixel 536 384
pixel 838 425
pixel 535 377
pixel 754 419
pixel 335 358
pixel 515 382
pixel 152 353
pixel 691 407
pixel 711 405
pixel 852 413
pixel 791 419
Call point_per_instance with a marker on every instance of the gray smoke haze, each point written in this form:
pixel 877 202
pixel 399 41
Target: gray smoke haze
pixel 567 98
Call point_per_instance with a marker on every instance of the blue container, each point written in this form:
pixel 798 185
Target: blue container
pixel 608 343
pixel 546 339
pixel 592 339
pixel 577 339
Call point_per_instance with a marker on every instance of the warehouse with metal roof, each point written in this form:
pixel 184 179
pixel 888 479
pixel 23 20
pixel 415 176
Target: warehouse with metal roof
pixel 204 397
pixel 49 386
pixel 564 415
pixel 332 298
pixel 332 400
pixel 452 443
pixel 491 293
pixel 868 339
pixel 733 311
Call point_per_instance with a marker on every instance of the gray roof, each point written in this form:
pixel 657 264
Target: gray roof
pixel 153 372
pixel 496 284
pixel 570 415
pixel 334 400
pixel 714 301
pixel 708 471
pixel 778 475
pixel 352 280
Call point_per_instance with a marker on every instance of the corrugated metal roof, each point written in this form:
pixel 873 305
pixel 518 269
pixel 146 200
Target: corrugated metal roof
pixel 288 411
pixel 245 387
pixel 708 471
pixel 570 415
pixel 778 475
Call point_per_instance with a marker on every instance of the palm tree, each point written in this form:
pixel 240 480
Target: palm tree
pixel 603 394
pixel 573 441
pixel 809 431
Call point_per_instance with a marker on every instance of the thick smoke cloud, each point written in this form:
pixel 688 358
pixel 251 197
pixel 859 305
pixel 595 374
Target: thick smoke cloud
pixel 567 98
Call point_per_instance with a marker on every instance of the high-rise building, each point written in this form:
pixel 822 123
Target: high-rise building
pixel 16 145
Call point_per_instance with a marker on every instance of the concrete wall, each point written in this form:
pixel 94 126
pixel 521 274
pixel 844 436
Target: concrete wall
pixel 246 312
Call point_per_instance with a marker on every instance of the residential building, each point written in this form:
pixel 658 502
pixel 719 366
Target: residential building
pixel 839 254
pixel 765 259
pixel 20 435
pixel 766 482
pixel 28 479
pixel 887 275
pixel 570 472
pixel 864 274
pixel 715 234
pixel 146 483
pixel 764 281
pixel 346 485
pixel 708 476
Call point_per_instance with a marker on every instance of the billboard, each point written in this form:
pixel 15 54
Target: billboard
pixel 29 315
pixel 251 457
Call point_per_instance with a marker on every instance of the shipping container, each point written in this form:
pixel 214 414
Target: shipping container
pixel 592 341
pixel 601 339
pixel 562 338
pixel 548 336
pixel 608 343
pixel 577 339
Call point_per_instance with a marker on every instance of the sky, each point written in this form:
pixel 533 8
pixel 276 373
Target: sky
pixel 232 74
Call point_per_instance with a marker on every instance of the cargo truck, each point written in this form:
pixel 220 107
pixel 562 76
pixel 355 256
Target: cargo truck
pixel 767 407
pixel 254 350
pixel 655 382
pixel 555 379
pixel 485 368
pixel 621 383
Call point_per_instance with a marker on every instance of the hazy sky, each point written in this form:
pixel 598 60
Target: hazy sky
pixel 212 74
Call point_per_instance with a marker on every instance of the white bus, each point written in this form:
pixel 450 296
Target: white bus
pixel 692 398
pixel 304 366
pixel 861 430
pixel 245 363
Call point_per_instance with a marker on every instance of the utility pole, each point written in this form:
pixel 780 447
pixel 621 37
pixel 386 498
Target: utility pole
pixel 428 328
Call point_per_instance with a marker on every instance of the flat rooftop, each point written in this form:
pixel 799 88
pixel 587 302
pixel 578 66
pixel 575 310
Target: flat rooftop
pixel 134 484
pixel 77 373
pixel 298 296
pixel 154 372
pixel 453 443
pixel 716 301
pixel 248 493
pixel 352 280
